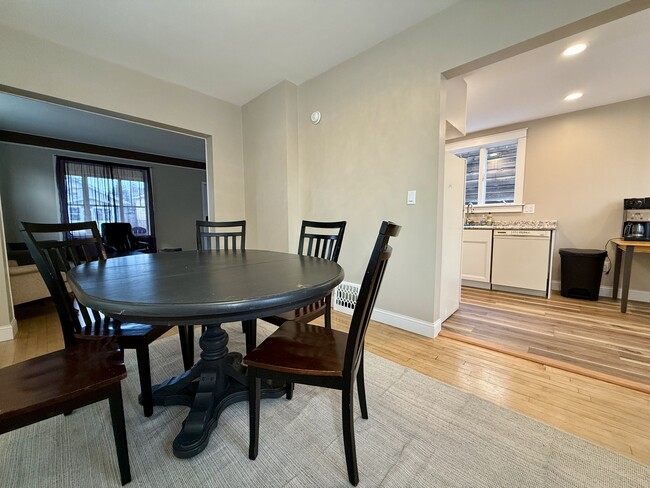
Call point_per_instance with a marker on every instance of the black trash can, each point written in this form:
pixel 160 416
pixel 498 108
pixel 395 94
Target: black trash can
pixel 581 271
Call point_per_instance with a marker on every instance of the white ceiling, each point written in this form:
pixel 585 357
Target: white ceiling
pixel 615 67
pixel 230 49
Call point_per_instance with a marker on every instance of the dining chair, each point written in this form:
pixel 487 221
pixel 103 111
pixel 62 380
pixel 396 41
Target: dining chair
pixel 81 374
pixel 82 243
pixel 299 352
pixel 321 240
pixel 227 235
pixel 220 235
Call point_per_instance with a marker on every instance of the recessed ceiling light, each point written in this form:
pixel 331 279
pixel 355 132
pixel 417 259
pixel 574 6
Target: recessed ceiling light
pixel 573 96
pixel 575 49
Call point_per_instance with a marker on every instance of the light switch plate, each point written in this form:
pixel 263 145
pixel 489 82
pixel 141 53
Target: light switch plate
pixel 529 208
pixel 410 197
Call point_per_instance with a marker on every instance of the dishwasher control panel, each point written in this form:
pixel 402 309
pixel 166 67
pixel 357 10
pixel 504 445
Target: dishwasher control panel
pixel 522 233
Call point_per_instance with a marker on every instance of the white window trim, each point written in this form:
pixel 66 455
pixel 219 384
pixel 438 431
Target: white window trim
pixel 518 136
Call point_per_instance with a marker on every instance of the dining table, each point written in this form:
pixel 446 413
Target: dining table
pixel 206 288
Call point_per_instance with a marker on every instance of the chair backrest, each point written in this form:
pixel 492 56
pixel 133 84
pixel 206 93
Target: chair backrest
pixel 54 257
pixel 321 239
pixel 368 294
pixel 119 235
pixel 220 235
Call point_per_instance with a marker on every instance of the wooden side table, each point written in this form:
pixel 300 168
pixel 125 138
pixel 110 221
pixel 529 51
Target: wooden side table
pixel 624 252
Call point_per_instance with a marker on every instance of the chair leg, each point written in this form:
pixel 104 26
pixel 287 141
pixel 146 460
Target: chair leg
pixel 250 329
pixel 288 388
pixel 361 388
pixel 254 391
pixel 348 433
pixel 186 336
pixel 328 311
pixel 119 433
pixel 144 370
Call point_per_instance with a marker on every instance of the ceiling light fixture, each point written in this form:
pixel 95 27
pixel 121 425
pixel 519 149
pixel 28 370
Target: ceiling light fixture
pixel 573 96
pixel 575 49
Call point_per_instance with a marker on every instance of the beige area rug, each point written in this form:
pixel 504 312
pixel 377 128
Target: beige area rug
pixel 421 433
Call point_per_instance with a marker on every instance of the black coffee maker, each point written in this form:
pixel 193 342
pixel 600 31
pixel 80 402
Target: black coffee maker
pixel 636 219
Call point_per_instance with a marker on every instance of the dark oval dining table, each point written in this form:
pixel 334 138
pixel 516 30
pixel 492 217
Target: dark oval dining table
pixel 207 288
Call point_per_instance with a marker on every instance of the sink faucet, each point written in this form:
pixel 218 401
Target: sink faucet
pixel 468 212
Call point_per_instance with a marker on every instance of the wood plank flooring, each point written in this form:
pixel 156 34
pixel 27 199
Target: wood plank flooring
pixel 612 416
pixel 590 337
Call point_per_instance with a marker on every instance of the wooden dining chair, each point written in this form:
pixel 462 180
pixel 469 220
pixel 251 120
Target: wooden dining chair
pixel 228 235
pixel 81 243
pixel 321 240
pixel 220 235
pixel 56 383
pixel 304 353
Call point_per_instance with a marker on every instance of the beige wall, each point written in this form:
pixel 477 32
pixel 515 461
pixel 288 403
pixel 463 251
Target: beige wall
pixel 579 168
pixel 380 136
pixel 42 67
pixel 7 321
pixel 270 162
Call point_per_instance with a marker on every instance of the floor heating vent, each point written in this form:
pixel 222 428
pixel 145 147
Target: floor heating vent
pixel 346 296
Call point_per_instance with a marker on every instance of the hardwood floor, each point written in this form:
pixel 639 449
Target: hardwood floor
pixel 609 415
pixel 588 337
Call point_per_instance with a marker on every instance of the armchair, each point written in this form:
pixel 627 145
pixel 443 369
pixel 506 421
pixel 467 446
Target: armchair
pixel 119 239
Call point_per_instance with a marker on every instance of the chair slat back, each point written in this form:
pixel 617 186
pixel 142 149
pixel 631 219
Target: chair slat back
pixel 321 239
pixel 368 295
pixel 54 257
pixel 220 235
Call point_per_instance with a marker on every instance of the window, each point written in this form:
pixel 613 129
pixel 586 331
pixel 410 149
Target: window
pixel 105 192
pixel 495 169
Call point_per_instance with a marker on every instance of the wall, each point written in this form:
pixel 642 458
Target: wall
pixel 7 319
pixel 28 192
pixel 383 137
pixel 380 136
pixel 270 157
pixel 579 168
pixel 32 64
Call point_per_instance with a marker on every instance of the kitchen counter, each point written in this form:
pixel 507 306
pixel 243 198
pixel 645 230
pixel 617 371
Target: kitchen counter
pixel 517 225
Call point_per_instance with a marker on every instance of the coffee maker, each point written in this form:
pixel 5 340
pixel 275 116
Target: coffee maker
pixel 636 219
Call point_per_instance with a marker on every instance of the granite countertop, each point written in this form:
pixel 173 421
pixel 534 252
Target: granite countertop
pixel 518 224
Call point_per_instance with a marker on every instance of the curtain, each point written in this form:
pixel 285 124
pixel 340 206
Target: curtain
pixel 105 192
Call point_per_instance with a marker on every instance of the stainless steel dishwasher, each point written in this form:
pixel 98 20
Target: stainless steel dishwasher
pixel 520 260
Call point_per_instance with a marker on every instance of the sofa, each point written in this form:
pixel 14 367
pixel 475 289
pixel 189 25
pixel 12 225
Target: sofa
pixel 27 284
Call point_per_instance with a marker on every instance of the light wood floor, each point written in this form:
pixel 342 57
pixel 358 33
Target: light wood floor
pixel 609 415
pixel 592 337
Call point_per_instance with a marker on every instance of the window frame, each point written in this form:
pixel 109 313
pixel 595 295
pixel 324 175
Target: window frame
pixel 117 209
pixel 482 143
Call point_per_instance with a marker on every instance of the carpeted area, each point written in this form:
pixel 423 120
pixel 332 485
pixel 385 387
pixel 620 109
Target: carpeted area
pixel 420 433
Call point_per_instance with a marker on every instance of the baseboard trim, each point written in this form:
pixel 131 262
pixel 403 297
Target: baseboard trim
pixel 606 292
pixel 417 326
pixel 9 331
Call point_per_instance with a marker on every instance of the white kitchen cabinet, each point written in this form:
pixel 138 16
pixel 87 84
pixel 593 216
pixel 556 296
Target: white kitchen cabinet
pixel 477 257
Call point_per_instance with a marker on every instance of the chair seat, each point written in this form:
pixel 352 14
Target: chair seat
pixel 300 348
pixel 302 314
pixel 46 381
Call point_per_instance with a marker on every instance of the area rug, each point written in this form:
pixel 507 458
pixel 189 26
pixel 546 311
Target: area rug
pixel 421 433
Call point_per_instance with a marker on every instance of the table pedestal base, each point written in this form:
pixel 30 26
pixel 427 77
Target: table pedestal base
pixel 215 382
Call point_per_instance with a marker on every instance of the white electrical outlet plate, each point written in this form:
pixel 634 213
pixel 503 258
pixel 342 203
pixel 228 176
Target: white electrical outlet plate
pixel 529 208
pixel 410 197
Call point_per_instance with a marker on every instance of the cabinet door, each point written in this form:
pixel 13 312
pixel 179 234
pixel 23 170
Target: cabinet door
pixel 477 255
